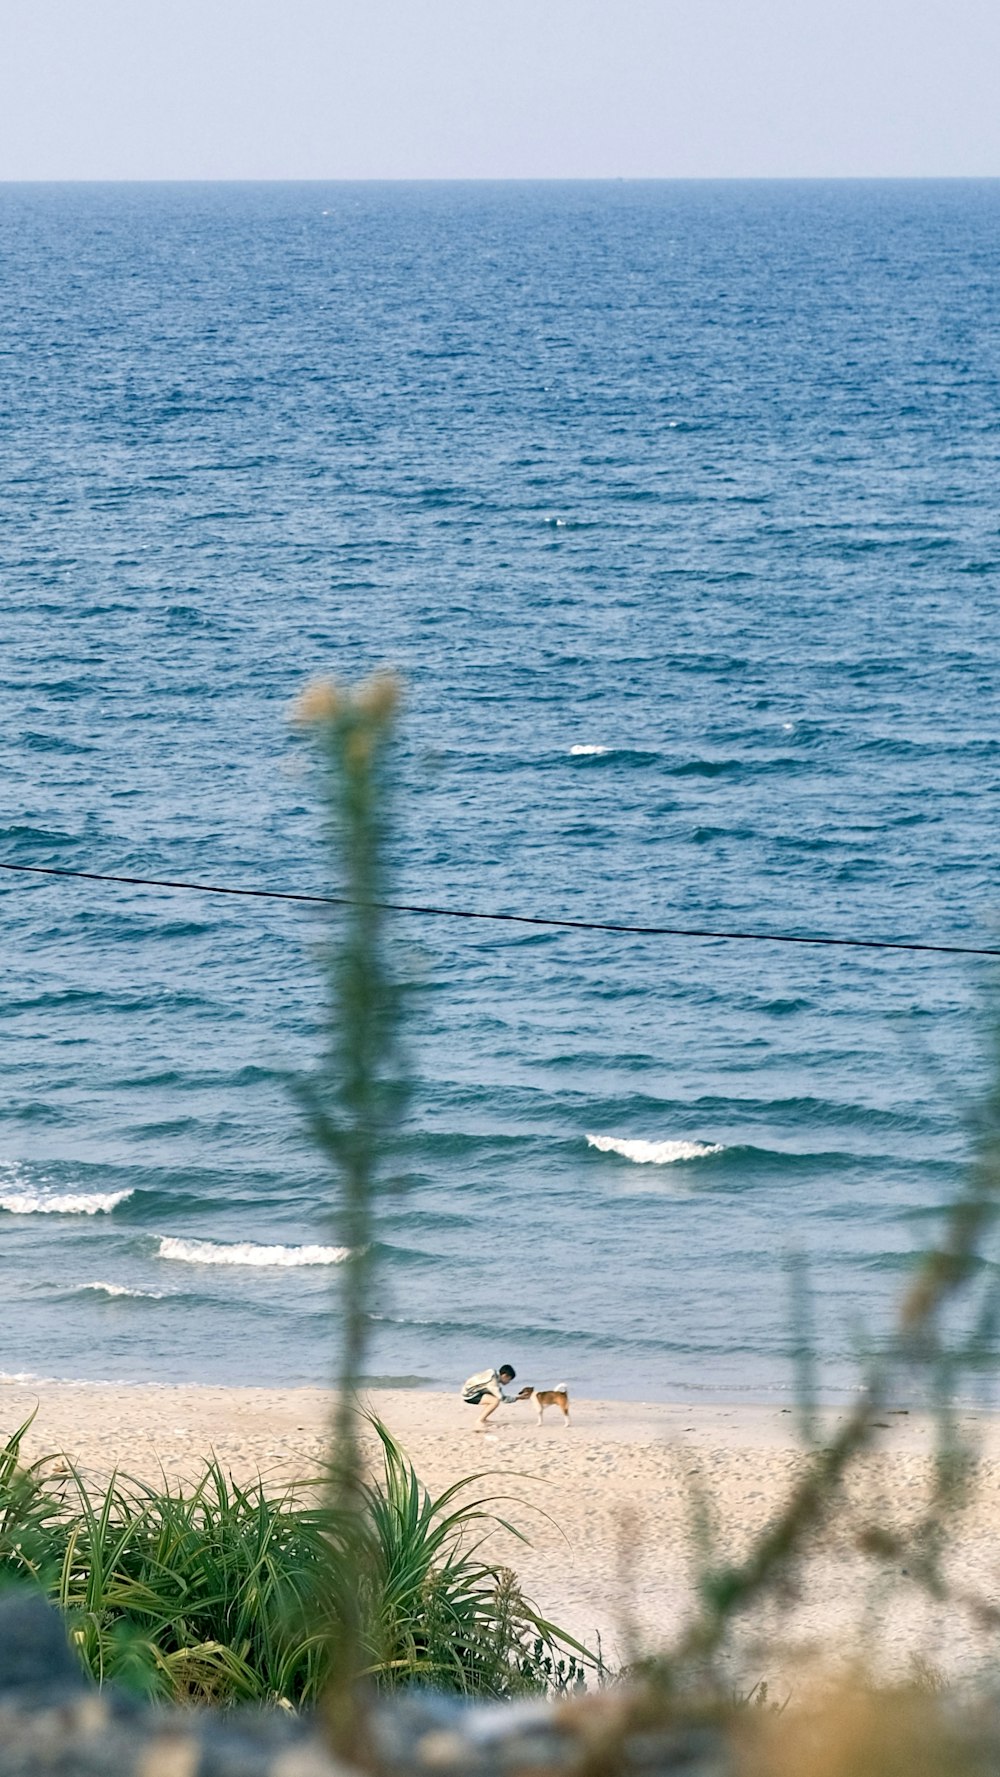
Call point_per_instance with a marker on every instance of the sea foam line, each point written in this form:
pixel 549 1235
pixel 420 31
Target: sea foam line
pixel 654 1153
pixel 583 752
pixel 69 1203
pixel 247 1252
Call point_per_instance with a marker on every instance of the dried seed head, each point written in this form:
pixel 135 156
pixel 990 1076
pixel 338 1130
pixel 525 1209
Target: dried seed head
pixel 320 702
pixel 379 697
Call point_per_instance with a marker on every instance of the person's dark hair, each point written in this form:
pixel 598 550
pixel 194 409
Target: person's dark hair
pixel 507 1370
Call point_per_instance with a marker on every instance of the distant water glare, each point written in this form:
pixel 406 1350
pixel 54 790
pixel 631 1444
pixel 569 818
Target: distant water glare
pixel 676 505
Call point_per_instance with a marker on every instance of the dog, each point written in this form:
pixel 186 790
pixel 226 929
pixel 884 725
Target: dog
pixel 547 1397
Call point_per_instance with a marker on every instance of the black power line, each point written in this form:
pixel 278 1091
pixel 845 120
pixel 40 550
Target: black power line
pixel 524 919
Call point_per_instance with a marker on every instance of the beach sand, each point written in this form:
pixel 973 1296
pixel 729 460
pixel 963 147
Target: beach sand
pixel 606 1504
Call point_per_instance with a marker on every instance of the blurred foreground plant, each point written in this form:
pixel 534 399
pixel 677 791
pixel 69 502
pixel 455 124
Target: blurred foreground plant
pixel 932 1346
pixel 355 1104
pixel 408 1595
pixel 851 1730
pixel 220 1593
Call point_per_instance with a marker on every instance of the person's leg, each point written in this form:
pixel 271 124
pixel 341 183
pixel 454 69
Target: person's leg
pixel 490 1404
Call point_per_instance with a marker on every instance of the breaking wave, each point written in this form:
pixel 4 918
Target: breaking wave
pixel 118 1289
pixel 246 1252
pixel 68 1203
pixel 654 1153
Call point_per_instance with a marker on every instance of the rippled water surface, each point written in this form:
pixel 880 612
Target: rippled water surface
pixel 677 505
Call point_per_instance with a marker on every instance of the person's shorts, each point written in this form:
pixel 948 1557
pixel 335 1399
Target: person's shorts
pixel 473 1400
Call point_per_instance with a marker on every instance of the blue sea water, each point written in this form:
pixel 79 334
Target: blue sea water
pixel 677 506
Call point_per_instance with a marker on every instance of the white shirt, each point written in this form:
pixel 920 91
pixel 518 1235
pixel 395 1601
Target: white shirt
pixel 487 1382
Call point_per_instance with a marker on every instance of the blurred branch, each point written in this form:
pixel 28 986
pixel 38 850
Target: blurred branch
pixel 919 1343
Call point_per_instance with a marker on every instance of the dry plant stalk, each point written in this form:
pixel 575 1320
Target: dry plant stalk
pixel 853 1731
pixel 354 1106
pixel 919 1341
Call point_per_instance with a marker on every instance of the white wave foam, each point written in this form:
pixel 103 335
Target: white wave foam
pixel 653 1153
pixel 246 1252
pixel 584 752
pixel 117 1289
pixel 67 1203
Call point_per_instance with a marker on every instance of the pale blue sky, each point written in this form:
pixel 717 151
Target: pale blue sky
pixel 316 89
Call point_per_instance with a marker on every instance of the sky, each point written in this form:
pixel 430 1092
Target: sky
pixel 453 89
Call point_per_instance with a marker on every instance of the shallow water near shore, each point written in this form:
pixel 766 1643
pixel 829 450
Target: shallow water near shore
pixel 676 505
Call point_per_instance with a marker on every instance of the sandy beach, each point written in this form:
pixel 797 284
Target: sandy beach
pixel 606 1504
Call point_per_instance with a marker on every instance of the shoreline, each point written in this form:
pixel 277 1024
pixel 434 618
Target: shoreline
pixel 698 1401
pixel 607 1503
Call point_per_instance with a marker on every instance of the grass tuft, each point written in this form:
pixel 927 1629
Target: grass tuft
pixel 218 1593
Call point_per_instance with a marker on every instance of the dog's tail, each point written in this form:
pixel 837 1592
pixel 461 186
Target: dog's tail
pixel 559 1388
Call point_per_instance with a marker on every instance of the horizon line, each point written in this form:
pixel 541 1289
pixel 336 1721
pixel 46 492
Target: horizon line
pixel 515 179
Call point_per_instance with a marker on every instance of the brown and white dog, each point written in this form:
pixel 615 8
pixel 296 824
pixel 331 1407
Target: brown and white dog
pixel 548 1397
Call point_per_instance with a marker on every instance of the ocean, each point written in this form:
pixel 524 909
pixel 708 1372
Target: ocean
pixel 676 505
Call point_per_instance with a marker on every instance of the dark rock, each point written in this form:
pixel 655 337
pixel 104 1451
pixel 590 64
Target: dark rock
pixel 35 1655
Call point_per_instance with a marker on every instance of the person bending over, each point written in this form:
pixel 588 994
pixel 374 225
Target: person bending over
pixel 487 1390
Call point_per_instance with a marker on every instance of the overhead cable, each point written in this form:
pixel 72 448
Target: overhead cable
pixel 524 919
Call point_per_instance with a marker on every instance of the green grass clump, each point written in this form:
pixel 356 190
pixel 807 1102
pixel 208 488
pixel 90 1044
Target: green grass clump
pixel 220 1593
